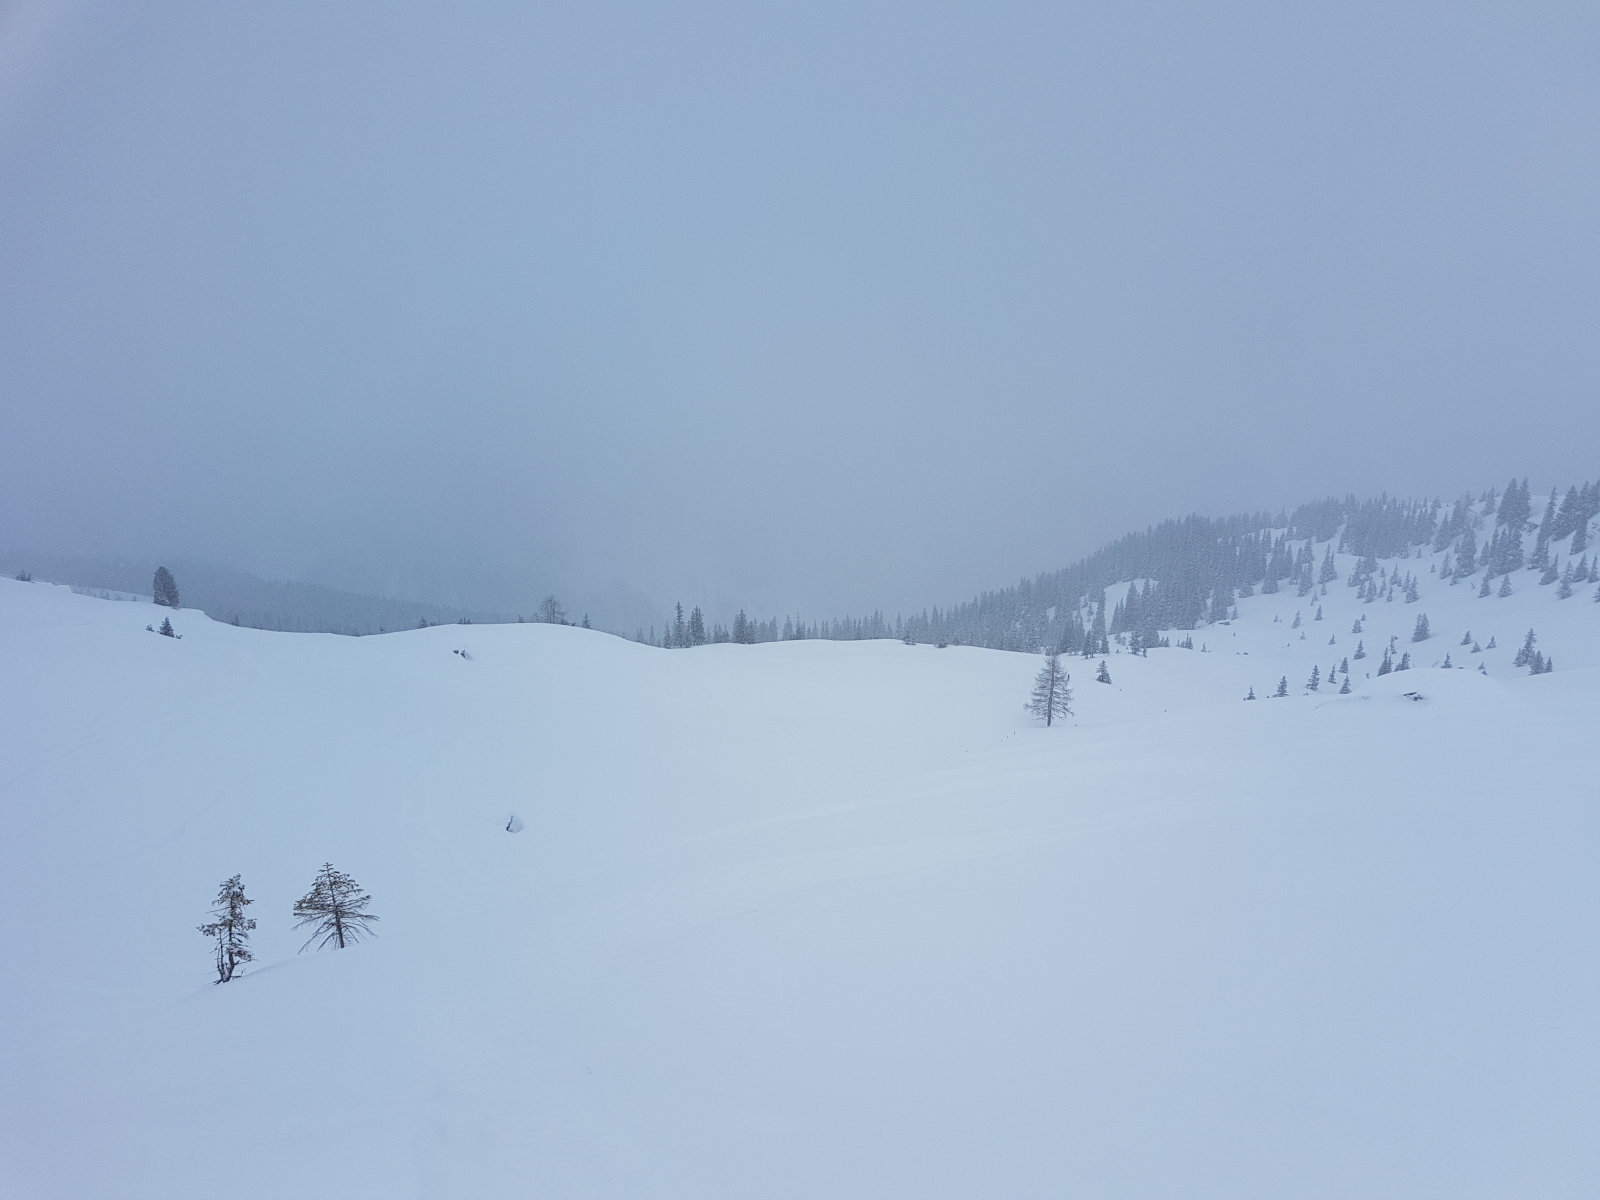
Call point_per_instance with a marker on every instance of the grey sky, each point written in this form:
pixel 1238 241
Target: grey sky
pixel 825 308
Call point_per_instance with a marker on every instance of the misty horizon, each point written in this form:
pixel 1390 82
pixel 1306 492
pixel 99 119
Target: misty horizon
pixel 822 312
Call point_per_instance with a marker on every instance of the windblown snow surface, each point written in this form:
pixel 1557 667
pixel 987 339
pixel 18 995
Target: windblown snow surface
pixel 805 919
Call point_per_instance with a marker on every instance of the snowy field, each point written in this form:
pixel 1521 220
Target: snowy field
pixel 805 919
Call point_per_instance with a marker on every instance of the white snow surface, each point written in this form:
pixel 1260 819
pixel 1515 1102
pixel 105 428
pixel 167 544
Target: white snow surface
pixel 805 919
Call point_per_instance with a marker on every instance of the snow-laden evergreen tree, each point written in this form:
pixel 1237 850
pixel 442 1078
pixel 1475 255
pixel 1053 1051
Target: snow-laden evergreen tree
pixel 1467 554
pixel 1315 682
pixel 697 627
pixel 1505 587
pixel 1283 687
pixel 1483 588
pixel 1420 632
pixel 1405 662
pixel 1104 676
pixel 165 588
pixel 231 929
pixel 1251 694
pixel 166 629
pixel 1551 572
pixel 335 908
pixel 1525 655
pixel 1344 688
pixel 1361 650
pixel 1516 506
pixel 1052 697
pixel 1387 665
pixel 1540 558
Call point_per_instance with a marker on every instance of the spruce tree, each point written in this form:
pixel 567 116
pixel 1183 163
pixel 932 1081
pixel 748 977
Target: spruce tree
pixel 1505 587
pixel 1052 697
pixel 335 908
pixel 231 929
pixel 1283 687
pixel 1104 676
pixel 165 588
pixel 1420 633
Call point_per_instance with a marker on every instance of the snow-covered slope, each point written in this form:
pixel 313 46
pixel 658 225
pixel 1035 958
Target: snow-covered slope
pixel 804 919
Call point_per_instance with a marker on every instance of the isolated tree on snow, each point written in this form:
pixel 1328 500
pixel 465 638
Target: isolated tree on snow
pixel 550 611
pixel 335 908
pixel 1052 697
pixel 1251 694
pixel 1104 676
pixel 1421 632
pixel 165 588
pixel 1315 681
pixel 1344 688
pixel 166 629
pixel 1283 687
pixel 231 929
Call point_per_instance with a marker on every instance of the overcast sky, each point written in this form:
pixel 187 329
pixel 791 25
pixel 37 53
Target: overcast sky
pixel 817 307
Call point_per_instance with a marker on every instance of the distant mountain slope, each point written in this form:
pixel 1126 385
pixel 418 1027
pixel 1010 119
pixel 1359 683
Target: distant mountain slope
pixel 1192 571
pixel 240 598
